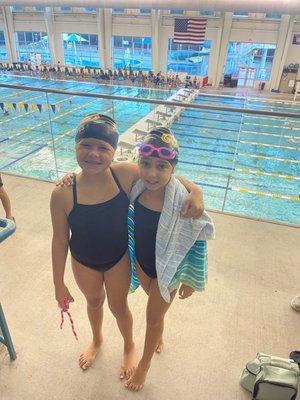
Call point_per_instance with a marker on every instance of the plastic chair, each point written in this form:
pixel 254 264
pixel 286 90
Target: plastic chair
pixel 7 228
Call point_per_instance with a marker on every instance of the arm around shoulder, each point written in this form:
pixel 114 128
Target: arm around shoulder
pixel 128 173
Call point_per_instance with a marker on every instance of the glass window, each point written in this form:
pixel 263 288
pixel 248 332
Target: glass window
pixel 89 9
pixel 258 56
pixel 16 8
pixel 132 51
pixel 33 47
pixel 240 13
pixel 192 59
pixel 145 10
pixel 118 10
pixel 81 49
pixel 207 13
pixel 3 51
pixel 273 15
pixel 40 8
pixel 176 11
pixel 65 8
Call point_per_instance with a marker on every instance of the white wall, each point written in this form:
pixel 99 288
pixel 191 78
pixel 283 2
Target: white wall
pixel 293 56
pixel 254 30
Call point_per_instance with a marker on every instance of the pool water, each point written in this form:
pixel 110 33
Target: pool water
pixel 247 164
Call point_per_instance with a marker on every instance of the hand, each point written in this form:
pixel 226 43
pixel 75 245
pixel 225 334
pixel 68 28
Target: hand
pixel 193 206
pixel 62 292
pixel 185 291
pixel 67 180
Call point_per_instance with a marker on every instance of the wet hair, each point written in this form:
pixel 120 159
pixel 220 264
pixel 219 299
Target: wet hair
pixel 163 137
pixel 98 126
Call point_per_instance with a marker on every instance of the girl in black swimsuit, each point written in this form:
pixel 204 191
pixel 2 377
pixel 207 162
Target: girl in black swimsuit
pixel 95 211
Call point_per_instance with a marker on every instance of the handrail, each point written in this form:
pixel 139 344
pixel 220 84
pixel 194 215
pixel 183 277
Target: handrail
pixel 154 101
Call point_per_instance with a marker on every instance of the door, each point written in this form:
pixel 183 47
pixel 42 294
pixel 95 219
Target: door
pixel 246 77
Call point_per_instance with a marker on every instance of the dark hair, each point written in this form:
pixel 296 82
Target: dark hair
pixel 98 126
pixel 163 137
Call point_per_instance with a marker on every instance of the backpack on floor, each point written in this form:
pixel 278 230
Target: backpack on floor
pixel 271 378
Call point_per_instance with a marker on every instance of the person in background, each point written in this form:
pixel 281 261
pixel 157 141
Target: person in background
pixel 5 201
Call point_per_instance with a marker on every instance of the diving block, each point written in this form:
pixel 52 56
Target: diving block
pixel 139 132
pixel 182 95
pixel 152 122
pixel 171 108
pixel 162 114
pixel 126 145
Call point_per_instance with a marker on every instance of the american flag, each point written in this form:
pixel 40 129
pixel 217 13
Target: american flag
pixel 189 30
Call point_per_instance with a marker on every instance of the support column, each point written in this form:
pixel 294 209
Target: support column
pixel 49 21
pixel 9 34
pixel 101 36
pixel 217 58
pixel 158 52
pixel 283 43
pixel 107 33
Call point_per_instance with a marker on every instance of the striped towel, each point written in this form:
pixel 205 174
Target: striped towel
pixel 179 241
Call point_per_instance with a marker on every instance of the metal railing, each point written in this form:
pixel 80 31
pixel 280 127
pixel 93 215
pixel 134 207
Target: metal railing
pixel 286 124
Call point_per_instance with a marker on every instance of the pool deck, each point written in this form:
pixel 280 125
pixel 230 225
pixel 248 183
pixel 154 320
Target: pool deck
pixel 253 275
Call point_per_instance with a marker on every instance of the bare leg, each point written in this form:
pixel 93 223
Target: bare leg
pixel 117 281
pixel 156 310
pixel 90 282
pixel 145 282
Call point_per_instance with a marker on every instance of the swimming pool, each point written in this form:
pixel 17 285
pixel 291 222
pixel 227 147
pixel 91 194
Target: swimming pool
pixel 247 164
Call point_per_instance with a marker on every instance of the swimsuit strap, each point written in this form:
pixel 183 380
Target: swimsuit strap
pixel 116 180
pixel 74 191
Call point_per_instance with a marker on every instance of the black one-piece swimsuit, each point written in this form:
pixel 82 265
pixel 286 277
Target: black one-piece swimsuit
pixel 99 233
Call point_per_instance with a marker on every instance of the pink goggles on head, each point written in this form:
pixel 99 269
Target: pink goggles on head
pixel 165 153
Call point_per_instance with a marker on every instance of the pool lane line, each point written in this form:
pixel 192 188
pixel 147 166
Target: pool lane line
pixel 200 126
pixel 212 119
pixel 207 137
pixel 276 146
pixel 242 122
pixel 66 133
pixel 273 174
pixel 240 114
pixel 24 156
pixel 29 100
pixel 47 122
pixel 287 160
pixel 249 191
pixel 242 131
pixel 267 134
pixel 31 112
pixel 242 170
pixel 291 128
pixel 241 141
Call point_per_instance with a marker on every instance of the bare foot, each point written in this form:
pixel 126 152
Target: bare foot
pixel 160 346
pixel 129 362
pixel 137 380
pixel 88 356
